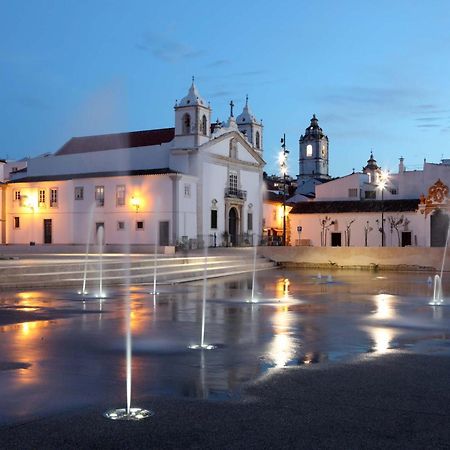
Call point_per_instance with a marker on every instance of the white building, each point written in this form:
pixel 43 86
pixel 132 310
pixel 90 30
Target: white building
pixel 368 209
pixel 191 183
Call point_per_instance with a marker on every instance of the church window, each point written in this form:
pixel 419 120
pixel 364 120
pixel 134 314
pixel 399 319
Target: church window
pixel 42 197
pixel 309 151
pixel 257 140
pixel 120 195
pixel 100 195
pixel 233 182
pixel 204 125
pixel 79 192
pixel 214 219
pixel 54 198
pixel 186 124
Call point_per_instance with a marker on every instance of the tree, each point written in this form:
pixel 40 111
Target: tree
pixel 347 232
pixel 325 224
pixel 396 223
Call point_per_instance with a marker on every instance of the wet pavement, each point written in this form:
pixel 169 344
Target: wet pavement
pixel 59 354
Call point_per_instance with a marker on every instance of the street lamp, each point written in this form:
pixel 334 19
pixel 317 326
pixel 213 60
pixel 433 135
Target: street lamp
pixel 383 180
pixel 283 170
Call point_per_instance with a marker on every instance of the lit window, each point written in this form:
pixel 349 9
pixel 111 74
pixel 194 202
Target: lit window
pixel 53 198
pixel 187 190
pixel 120 195
pixel 16 222
pixel 16 195
pixel 309 151
pixel 139 225
pixel 100 195
pixel 79 193
pixel 121 225
pixel 41 196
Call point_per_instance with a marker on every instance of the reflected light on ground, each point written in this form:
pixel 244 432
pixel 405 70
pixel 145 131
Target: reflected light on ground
pixel 281 349
pixel 282 288
pixel 385 309
pixel 381 337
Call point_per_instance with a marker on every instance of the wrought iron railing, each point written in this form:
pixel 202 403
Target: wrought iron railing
pixel 235 193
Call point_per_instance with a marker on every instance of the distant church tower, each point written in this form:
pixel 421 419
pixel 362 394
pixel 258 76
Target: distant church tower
pixel 250 127
pixel 192 120
pixel 313 161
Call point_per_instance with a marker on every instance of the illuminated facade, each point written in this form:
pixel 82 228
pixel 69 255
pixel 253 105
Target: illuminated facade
pixel 196 182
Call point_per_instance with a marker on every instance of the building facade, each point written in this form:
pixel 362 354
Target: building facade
pixel 197 182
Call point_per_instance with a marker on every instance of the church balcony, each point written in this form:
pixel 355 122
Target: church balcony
pixel 235 193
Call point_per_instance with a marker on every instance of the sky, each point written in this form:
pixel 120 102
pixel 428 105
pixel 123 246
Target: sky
pixel 376 73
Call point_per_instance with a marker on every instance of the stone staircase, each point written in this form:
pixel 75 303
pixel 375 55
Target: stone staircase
pixel 59 270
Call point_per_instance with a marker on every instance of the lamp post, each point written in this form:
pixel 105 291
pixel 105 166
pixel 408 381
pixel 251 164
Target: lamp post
pixel 283 170
pixel 384 178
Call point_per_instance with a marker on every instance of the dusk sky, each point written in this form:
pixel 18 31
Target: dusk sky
pixel 377 74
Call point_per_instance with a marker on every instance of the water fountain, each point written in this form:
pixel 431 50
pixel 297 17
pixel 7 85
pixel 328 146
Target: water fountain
pixel 100 235
pixel 438 299
pixel 202 345
pixel 255 250
pixel 88 242
pixel 128 413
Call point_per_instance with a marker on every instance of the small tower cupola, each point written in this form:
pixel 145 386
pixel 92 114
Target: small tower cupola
pixel 192 119
pixel 372 169
pixel 250 127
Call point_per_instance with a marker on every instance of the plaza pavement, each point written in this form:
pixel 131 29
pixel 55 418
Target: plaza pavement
pixel 393 401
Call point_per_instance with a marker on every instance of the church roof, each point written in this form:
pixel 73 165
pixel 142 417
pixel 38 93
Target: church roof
pixel 313 131
pixel 193 97
pixel 114 141
pixel 246 115
pixel 116 173
pixel 356 206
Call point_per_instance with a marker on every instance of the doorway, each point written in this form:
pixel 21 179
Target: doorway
pixel 47 231
pixel 233 226
pixel 163 233
pixel 99 225
pixel 336 239
pixel 439 226
pixel 406 238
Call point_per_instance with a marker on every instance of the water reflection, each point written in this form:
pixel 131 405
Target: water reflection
pixel 77 357
pixel 281 349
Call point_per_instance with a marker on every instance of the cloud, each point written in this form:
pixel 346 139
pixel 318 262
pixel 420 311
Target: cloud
pixel 218 63
pixel 167 49
pixel 428 125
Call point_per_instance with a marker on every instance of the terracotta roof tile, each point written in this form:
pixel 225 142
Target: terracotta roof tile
pixel 114 141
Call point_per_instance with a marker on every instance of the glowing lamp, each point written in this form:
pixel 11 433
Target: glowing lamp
pixel 135 203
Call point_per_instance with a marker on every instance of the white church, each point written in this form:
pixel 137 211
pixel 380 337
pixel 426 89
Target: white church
pixel 197 182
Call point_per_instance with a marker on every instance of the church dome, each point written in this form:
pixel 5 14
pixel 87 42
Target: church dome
pixel 313 131
pixel 246 116
pixel 371 164
pixel 193 98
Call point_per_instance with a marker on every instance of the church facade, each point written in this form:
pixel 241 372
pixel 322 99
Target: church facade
pixel 192 184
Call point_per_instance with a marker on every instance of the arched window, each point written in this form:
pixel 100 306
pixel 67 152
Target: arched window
pixel 257 140
pixel 204 125
pixel 186 124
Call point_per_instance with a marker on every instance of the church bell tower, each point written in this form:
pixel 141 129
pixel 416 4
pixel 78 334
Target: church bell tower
pixel 313 160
